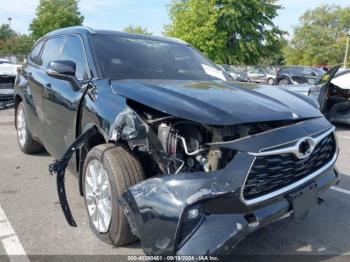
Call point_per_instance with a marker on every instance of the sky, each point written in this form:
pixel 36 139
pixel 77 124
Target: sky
pixel 117 14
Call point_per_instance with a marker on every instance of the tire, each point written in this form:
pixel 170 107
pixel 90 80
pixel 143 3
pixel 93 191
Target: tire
pixel 24 138
pixel 283 82
pixel 270 81
pixel 123 169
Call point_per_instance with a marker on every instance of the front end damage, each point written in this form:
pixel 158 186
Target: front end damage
pixel 198 213
pixel 6 91
pixel 209 186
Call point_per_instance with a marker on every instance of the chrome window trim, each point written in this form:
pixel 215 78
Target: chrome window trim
pixel 295 184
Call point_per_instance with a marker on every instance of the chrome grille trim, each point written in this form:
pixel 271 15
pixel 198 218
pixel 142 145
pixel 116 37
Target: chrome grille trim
pixel 296 184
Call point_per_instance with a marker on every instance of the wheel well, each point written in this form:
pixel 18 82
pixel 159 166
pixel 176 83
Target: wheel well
pixel 95 140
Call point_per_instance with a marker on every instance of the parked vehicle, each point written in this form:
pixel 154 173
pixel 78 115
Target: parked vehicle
pixel 261 76
pixel 164 147
pixel 295 75
pixel 4 61
pixel 332 93
pixel 234 74
pixel 8 73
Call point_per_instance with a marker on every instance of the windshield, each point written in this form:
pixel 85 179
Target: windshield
pixel 136 58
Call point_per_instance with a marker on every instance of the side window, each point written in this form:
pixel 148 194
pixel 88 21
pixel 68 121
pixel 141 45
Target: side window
pixel 34 55
pixel 52 51
pixel 73 50
pixel 308 72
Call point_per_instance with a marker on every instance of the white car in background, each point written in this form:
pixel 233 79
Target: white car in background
pixel 8 72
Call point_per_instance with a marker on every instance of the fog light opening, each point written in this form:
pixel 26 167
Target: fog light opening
pixel 252 220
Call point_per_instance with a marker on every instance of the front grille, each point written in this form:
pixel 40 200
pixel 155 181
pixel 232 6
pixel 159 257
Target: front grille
pixel 271 173
pixel 6 85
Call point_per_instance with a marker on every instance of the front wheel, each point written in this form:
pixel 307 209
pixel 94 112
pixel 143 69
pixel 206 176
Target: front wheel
pixel 109 170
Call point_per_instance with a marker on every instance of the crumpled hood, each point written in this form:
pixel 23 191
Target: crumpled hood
pixel 216 102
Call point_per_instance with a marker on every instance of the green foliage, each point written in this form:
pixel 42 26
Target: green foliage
pixel 6 32
pixel 137 29
pixel 13 43
pixel 55 14
pixel 320 37
pixel 228 31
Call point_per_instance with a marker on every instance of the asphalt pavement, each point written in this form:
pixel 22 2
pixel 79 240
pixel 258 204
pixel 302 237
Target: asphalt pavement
pixel 32 224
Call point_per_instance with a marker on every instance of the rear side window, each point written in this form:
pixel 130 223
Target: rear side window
pixel 52 51
pixel 73 50
pixel 34 55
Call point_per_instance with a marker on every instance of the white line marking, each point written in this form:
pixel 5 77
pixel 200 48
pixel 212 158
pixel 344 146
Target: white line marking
pixel 346 137
pixel 10 241
pixel 338 189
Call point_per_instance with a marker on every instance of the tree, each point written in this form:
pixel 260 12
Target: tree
pixel 227 31
pixel 55 14
pixel 320 37
pixel 137 29
pixel 6 32
pixel 12 42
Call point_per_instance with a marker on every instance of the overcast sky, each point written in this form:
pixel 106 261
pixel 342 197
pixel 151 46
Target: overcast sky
pixel 117 14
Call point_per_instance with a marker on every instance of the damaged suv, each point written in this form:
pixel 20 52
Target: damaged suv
pixel 167 150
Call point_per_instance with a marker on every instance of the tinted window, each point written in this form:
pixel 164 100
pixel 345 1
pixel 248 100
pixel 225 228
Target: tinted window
pixel 52 51
pixel 34 55
pixel 73 50
pixel 132 58
pixel 309 72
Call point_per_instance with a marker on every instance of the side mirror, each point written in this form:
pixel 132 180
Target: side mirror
pixel 62 68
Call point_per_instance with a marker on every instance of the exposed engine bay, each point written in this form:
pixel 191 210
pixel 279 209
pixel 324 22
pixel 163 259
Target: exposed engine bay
pixel 190 146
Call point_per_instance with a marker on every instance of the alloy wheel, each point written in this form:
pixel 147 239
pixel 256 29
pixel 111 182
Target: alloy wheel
pixel 98 196
pixel 21 127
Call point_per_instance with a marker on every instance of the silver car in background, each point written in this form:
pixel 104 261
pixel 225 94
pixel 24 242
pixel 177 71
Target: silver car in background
pixel 260 75
pixel 235 75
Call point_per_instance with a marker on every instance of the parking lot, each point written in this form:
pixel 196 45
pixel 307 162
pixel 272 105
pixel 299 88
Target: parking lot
pixel 32 223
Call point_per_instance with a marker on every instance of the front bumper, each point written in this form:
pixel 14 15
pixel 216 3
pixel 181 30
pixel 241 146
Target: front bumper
pixel 6 98
pixel 218 234
pixel 6 93
pixel 156 208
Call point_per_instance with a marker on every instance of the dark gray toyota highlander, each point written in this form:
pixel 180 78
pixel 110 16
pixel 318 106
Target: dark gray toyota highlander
pixel 165 149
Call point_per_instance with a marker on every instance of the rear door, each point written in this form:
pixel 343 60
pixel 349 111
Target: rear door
pixel 29 80
pixel 62 97
pixel 257 75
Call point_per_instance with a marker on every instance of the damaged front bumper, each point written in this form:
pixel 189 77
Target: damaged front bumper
pixel 206 213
